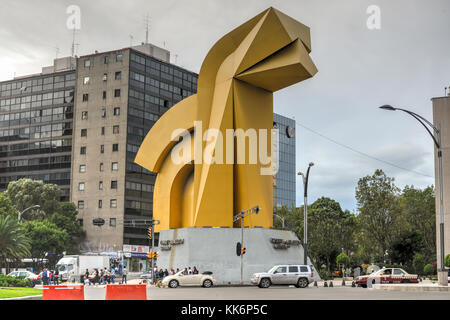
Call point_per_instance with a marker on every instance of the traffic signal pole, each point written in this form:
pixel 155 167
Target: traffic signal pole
pixel 241 216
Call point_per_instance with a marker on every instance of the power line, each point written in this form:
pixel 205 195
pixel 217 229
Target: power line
pixel 360 152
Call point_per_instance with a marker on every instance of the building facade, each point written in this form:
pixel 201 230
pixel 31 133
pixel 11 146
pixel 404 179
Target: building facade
pixel 284 180
pixel 119 97
pixel 36 122
pixel 441 116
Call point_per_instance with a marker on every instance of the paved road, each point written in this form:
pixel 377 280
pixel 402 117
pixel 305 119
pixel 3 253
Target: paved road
pixel 274 293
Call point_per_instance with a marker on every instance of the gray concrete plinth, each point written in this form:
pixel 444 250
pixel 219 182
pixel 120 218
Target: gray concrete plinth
pixel 443 278
pixel 214 249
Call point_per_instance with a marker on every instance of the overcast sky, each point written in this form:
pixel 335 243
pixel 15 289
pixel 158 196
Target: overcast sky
pixel 405 63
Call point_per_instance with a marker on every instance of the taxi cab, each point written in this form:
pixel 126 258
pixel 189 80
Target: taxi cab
pixel 387 275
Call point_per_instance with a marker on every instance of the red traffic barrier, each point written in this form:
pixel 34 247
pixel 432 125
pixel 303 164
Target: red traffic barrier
pixel 126 292
pixel 68 292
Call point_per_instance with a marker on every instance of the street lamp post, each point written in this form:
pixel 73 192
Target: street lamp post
pixel 438 144
pixel 19 217
pixel 281 218
pixel 305 211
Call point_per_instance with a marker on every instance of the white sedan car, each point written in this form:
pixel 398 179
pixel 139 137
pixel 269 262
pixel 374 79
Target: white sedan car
pixel 180 279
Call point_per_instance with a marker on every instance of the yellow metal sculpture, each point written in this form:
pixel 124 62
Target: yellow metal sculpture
pixel 235 91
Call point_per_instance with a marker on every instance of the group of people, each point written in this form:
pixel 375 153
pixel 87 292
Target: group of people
pixel 104 276
pixel 161 274
pixel 49 277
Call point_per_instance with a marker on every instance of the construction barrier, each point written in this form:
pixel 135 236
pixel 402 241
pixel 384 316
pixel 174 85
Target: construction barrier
pixel 63 292
pixel 126 292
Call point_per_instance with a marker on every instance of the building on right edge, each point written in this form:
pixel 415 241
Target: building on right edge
pixel 441 116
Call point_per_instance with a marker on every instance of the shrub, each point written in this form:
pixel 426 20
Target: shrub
pixel 8 281
pixel 419 262
pixel 323 273
pixel 447 260
pixel 428 270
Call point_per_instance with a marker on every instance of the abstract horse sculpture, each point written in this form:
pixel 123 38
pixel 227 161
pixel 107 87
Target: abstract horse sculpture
pixel 235 91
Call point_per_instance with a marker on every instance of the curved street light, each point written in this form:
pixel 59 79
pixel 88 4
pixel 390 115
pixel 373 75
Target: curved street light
pixel 281 218
pixel 305 212
pixel 19 217
pixel 438 144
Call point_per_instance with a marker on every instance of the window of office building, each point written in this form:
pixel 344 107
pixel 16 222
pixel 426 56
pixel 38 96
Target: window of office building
pixel 104 94
pixel 114 166
pixel 81 204
pixel 100 204
pixel 118 75
pixel 85 96
pixel 117 93
pixel 102 148
pixel 82 168
pixel 114 184
pixel 115 147
pixel 87 63
pixel 100 185
pixel 106 59
pixel 105 76
pixel 112 222
pixel 103 131
pixel 84 132
pixel 86 80
pixel 80 222
pixel 113 203
pixel 119 57
pixel 117 111
pixel 115 129
pixel 101 166
pixel 103 113
pixel 82 150
pixel 81 186
pixel 84 115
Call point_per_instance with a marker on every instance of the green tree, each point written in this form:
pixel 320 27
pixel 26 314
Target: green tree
pixel 14 244
pixel 447 261
pixel 6 206
pixel 428 270
pixel 25 193
pixel 380 217
pixel 343 259
pixel 405 247
pixel 65 218
pixel 46 237
pixel 419 262
pixel 420 213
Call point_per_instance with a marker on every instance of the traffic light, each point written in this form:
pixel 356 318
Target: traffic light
pixel 149 233
pixel 153 255
pixel 238 249
pixel 242 251
pixel 150 255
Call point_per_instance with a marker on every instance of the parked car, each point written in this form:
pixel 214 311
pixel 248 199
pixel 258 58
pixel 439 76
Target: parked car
pixel 205 280
pixel 36 279
pixel 299 275
pixel 387 275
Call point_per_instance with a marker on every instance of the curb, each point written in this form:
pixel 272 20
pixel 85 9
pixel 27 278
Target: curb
pixel 410 288
pixel 37 297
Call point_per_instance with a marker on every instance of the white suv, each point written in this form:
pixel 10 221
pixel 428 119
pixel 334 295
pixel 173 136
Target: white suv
pixel 299 275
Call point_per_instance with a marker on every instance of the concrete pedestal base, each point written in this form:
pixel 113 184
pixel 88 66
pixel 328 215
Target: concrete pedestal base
pixel 443 278
pixel 214 249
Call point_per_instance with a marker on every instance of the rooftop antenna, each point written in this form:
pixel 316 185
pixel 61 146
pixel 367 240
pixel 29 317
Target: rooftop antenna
pixel 73 42
pixel 147 23
pixel 131 40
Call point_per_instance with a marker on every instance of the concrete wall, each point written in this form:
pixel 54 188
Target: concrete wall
pixel 214 249
pixel 441 115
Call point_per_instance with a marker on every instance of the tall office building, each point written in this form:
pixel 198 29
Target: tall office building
pixel 119 97
pixel 36 114
pixel 284 180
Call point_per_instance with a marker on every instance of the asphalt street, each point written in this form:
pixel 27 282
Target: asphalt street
pixel 274 293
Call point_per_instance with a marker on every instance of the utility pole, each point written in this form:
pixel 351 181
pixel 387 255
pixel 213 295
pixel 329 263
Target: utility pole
pixel 152 226
pixel 241 216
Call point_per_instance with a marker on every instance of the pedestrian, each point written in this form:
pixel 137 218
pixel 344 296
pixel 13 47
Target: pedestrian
pixel 185 271
pixel 113 275
pixel 96 276
pixel 161 274
pixel 166 273
pixel 195 271
pixel 56 277
pixel 50 277
pixel 172 272
pixel 178 270
pixel 102 276
pixel 45 277
pixel 124 275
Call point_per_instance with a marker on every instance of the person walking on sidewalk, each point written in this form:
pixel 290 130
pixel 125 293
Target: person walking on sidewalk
pixel 124 275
